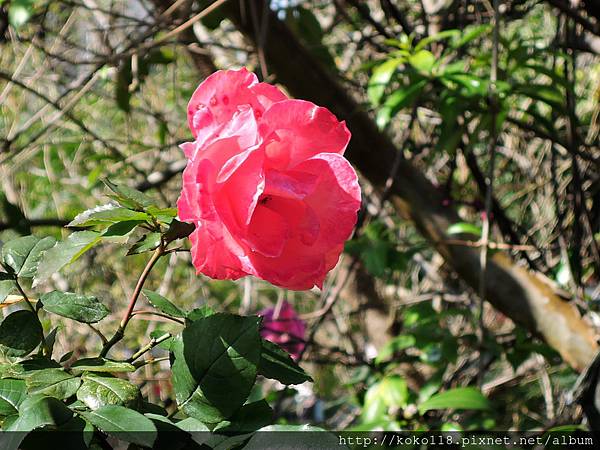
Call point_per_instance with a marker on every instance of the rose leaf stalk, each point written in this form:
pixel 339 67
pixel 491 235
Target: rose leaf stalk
pixel 160 251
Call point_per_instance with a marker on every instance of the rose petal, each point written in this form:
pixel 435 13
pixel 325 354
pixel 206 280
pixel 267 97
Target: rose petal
pixel 268 232
pixel 296 130
pixel 219 96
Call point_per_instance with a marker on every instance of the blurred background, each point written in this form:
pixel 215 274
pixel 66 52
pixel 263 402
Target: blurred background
pixel 475 133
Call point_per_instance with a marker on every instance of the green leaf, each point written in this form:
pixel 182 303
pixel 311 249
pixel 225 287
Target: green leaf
pixel 39 410
pixel 544 93
pixel 147 242
pixel 170 436
pixel 391 392
pixel 163 304
pixel 20 333
pixel 82 308
pixel 423 61
pixel 393 346
pixel 463 228
pixel 164 215
pixel 101 365
pixel 75 434
pixel 106 215
pixel 12 393
pixel 54 383
pixel 16 251
pixel 286 436
pixel 470 34
pixel 97 391
pixel 394 390
pixel 30 265
pixel 7 286
pixel 19 12
pixel 248 418
pixel 199 313
pixel 472 86
pixel 436 38
pixel 179 230
pixel 459 398
pixel 192 425
pixel 129 197
pixel 212 381
pixel 382 74
pixel 50 340
pixel 126 424
pixel 276 363
pixel 24 369
pixel 65 252
pixel 401 98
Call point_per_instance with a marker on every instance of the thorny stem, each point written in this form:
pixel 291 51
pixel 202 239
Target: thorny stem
pixel 160 251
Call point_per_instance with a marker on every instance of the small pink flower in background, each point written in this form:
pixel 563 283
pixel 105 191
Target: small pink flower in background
pixel 284 328
pixel 266 184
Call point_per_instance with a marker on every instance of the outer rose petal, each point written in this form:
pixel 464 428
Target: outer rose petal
pixel 242 126
pixel 218 97
pixel 216 254
pixel 295 130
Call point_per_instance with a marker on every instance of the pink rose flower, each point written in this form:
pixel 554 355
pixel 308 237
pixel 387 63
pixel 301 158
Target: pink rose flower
pixel 266 184
pixel 284 328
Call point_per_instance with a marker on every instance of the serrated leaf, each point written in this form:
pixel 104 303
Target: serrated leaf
pixel 129 197
pixel 97 391
pixel 12 393
pixel 82 308
pixel 277 364
pixel 65 252
pixel 125 424
pixel 20 333
pixel 149 241
pixel 106 215
pixel 101 365
pixel 53 383
pixel 212 382
pixel 163 304
pixel 459 398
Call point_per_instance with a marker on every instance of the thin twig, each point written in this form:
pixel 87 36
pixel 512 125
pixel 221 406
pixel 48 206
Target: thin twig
pixel 149 346
pixel 132 301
